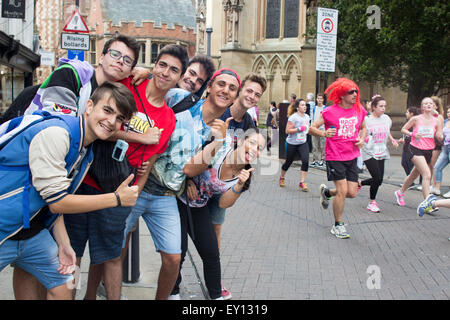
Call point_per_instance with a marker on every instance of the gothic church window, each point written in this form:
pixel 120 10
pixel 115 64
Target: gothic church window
pixel 273 19
pixel 291 21
pixel 282 18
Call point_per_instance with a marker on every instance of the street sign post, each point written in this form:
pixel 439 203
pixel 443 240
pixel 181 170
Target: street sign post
pixel 76 23
pixel 327 24
pixel 75 55
pixel 47 58
pixel 74 41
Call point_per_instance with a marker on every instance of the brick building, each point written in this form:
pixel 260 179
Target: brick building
pixel 154 23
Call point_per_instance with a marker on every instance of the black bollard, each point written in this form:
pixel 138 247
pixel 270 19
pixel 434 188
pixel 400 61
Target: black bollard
pixel 130 264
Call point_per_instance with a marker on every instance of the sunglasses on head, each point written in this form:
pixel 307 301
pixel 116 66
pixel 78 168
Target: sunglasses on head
pixel 352 91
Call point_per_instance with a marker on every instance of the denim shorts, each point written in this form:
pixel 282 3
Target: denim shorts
pixel 38 256
pixel 217 213
pixel 161 215
pixel 103 228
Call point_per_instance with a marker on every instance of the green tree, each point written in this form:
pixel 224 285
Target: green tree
pixel 410 49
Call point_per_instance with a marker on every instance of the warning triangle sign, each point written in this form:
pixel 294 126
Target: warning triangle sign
pixel 76 23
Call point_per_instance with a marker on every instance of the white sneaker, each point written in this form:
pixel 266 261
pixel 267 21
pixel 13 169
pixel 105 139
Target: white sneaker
pixel 340 232
pixel 435 191
pixel 174 297
pixel 446 195
pixel 101 292
pixel 373 206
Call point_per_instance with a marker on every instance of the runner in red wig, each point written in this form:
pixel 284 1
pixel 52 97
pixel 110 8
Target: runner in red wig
pixel 345 131
pixel 340 88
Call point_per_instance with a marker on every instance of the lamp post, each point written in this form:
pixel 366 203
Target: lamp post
pixel 208 41
pixel 209 28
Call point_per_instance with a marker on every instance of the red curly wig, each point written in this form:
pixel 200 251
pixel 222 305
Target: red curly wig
pixel 340 88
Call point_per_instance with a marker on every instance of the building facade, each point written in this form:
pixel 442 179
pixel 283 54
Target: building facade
pixel 154 23
pixel 18 49
pixel 268 37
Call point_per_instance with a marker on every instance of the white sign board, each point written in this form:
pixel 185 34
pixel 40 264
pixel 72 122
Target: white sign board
pixel 73 41
pixel 327 24
pixel 47 58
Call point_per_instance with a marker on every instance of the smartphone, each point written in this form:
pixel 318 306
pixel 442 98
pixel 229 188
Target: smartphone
pixel 120 150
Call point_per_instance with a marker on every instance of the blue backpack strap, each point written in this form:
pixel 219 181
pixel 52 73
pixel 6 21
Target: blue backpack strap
pixel 76 133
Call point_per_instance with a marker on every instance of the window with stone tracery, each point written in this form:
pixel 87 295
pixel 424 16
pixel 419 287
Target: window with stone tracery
pixel 282 19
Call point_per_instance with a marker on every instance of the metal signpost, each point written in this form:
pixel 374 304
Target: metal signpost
pixel 327 25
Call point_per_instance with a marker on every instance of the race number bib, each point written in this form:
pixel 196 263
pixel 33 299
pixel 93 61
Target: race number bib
pixel 426 131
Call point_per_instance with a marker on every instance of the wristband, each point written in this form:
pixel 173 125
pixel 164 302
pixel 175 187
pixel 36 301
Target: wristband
pixel 220 140
pixel 119 203
pixel 234 191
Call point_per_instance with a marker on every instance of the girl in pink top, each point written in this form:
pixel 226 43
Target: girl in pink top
pixel 425 128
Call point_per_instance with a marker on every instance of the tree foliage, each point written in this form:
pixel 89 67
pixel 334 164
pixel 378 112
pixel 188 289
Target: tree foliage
pixel 409 50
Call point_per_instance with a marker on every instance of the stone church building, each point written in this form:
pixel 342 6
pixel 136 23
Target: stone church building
pixel 267 37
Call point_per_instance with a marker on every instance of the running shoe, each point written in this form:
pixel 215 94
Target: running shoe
pixel 226 295
pixel 282 182
pixel 400 198
pixel 313 164
pixel 174 297
pixel 426 206
pixel 324 200
pixel 340 232
pixel 446 195
pixel 373 206
pixel 359 185
pixel 435 191
pixel 303 186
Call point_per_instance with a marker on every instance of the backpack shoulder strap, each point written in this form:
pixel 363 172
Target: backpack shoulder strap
pixel 186 103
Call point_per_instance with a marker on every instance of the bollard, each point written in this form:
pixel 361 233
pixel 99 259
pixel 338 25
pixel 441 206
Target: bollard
pixel 130 264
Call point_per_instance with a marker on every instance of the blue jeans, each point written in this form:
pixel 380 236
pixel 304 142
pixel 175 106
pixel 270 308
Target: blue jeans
pixel 38 256
pixel 442 162
pixel 161 215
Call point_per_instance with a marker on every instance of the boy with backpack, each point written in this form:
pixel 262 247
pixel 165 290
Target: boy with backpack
pixel 43 159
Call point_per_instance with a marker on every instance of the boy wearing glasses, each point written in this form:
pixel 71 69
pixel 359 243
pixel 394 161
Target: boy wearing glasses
pixel 68 88
pixel 345 131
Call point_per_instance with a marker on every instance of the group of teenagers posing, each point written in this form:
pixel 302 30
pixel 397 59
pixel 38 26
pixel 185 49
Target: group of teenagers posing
pixel 351 132
pixel 192 158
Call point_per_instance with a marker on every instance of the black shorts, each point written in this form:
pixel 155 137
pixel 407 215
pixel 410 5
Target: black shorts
pixel 340 170
pixel 419 152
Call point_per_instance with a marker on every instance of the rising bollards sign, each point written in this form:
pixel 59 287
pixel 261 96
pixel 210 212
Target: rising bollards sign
pixel 13 9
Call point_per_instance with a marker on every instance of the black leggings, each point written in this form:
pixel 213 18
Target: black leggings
pixel 376 170
pixel 292 150
pixel 407 163
pixel 206 244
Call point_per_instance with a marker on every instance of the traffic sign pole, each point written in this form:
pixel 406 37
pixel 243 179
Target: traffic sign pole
pixel 326 38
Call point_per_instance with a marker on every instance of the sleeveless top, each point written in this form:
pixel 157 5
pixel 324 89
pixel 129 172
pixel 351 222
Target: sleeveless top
pixel 426 141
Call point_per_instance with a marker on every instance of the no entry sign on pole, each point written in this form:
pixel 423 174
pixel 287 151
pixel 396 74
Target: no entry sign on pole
pixel 327 23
